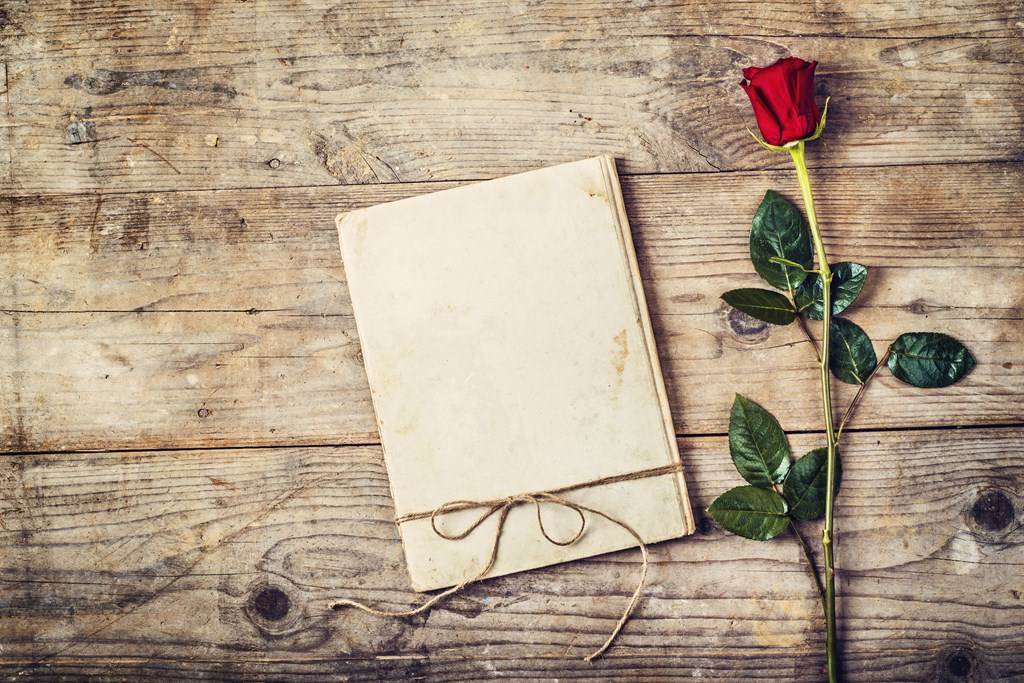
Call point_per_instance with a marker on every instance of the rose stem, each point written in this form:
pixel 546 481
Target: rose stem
pixel 797 152
pixel 810 560
pixel 860 393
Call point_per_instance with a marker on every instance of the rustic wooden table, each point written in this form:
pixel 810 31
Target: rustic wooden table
pixel 192 469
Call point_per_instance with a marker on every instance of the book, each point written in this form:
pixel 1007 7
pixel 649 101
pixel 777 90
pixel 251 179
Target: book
pixel 509 351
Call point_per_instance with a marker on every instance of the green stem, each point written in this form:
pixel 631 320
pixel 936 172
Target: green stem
pixel 810 561
pixel 860 394
pixel 797 152
pixel 807 333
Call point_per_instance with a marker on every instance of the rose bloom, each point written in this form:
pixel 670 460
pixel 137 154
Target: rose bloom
pixel 783 99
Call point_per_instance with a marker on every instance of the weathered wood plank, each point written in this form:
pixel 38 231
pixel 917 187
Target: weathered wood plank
pixel 111 97
pixel 160 556
pixel 950 666
pixel 222 318
pixel 97 23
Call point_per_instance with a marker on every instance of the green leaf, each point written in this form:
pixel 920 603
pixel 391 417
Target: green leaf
pixel 751 512
pixel 778 231
pixel 806 484
pixel 758 445
pixel 851 358
pixel 929 359
pixel 762 304
pixel 847 281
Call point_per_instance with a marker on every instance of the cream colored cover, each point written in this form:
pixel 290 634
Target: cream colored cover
pixel 508 349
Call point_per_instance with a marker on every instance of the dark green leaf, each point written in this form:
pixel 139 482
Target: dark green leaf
pixel 778 231
pixel 852 358
pixel 762 304
pixel 806 484
pixel 758 445
pixel 929 359
pixel 847 281
pixel 751 512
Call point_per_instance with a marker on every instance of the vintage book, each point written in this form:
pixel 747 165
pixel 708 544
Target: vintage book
pixel 509 350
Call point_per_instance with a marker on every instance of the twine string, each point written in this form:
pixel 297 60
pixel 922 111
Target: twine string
pixel 501 508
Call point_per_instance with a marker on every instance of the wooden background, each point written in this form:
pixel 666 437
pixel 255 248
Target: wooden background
pixel 191 466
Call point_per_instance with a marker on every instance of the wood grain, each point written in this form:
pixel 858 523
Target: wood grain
pixel 150 564
pixel 111 97
pixel 99 22
pixel 198 319
pixel 191 469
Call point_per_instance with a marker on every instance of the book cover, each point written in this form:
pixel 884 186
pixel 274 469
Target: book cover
pixel 509 350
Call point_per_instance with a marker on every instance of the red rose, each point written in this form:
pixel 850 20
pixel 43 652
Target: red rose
pixel 783 98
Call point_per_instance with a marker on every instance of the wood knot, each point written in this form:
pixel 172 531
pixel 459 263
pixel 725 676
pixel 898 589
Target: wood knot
pixel 745 327
pixel 919 307
pixel 273 609
pixel 993 511
pixel 958 665
pixel 80 132
pixel 271 603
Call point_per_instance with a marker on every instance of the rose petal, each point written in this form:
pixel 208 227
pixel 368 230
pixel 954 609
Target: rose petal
pixel 775 85
pixel 771 130
pixel 805 97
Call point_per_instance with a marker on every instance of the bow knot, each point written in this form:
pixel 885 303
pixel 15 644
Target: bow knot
pixel 501 507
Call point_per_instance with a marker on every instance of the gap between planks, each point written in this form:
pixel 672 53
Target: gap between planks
pixel 690 436
pixel 450 182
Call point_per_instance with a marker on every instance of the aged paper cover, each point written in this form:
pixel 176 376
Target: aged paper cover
pixel 508 348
